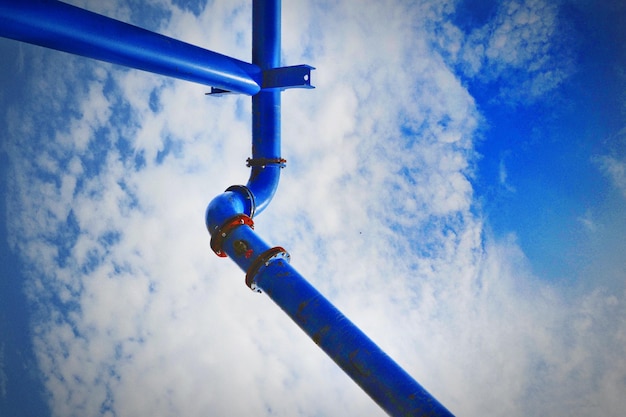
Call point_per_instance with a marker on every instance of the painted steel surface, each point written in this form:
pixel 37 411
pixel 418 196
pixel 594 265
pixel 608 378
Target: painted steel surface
pixel 60 26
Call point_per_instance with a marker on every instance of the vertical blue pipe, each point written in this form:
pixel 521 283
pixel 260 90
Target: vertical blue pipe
pixel 266 141
pixel 60 26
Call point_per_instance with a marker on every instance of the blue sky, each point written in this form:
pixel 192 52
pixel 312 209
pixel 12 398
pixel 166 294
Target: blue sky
pixel 455 185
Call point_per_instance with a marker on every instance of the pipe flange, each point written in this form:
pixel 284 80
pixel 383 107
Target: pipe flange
pixel 249 197
pixel 217 239
pixel 262 260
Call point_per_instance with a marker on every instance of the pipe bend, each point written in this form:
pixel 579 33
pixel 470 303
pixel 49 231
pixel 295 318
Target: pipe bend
pixel 236 200
pixel 262 184
pixel 266 159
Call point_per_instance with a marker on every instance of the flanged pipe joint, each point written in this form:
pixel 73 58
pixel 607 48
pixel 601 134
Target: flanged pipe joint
pixel 229 221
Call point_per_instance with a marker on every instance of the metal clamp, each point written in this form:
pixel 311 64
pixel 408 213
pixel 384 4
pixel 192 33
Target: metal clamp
pixel 217 239
pixel 262 162
pixel 262 260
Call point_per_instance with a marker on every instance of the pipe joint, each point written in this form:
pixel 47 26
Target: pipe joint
pixel 263 260
pixel 235 201
pixel 217 239
pixel 249 199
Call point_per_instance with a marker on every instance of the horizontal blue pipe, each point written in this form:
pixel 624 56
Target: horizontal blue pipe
pixel 394 390
pixel 60 26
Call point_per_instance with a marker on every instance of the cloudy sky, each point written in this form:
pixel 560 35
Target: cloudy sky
pixel 455 185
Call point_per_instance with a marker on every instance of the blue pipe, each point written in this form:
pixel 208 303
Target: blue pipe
pixel 60 26
pixel 266 161
pixel 394 390
pixel 267 269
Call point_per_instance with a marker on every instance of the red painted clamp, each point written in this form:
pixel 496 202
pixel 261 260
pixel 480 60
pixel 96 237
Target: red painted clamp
pixel 217 239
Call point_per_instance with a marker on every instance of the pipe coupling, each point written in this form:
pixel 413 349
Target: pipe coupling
pixel 262 260
pixel 217 238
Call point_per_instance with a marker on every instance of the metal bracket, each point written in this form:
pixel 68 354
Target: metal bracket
pixel 282 78
pixel 297 76
pixel 217 92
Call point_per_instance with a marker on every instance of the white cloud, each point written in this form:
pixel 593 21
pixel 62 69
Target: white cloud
pixel 138 317
pixel 521 51
pixel 588 222
pixel 615 170
pixel 503 175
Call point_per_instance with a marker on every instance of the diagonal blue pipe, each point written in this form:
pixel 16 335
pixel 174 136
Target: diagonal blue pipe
pixel 267 270
pixel 60 26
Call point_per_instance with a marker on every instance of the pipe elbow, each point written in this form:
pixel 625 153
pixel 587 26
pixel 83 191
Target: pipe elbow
pixel 263 184
pixel 236 200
